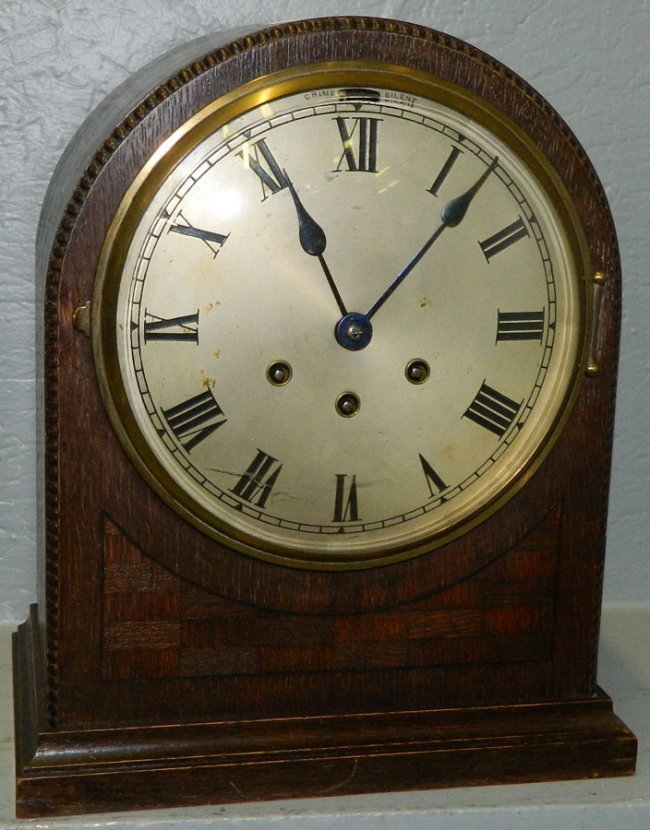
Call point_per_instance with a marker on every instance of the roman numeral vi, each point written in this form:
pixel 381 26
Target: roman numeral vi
pixel 346 506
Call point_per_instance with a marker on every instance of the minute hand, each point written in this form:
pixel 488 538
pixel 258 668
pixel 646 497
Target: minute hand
pixel 452 214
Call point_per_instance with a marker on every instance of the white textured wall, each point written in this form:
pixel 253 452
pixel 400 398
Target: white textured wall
pixel 59 58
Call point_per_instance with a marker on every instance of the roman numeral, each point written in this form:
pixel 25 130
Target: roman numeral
pixel 435 483
pixel 520 325
pixel 259 479
pixel 258 158
pixel 194 419
pixel 492 410
pixel 364 132
pixel 184 328
pixel 504 239
pixel 215 241
pixel 446 169
pixel 346 506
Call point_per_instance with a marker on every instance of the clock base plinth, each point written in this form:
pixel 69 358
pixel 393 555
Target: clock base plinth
pixel 66 772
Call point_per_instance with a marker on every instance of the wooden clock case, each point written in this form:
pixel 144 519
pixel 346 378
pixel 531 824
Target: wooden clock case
pixel 160 668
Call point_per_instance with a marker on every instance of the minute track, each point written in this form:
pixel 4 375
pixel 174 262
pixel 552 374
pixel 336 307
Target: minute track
pixel 317 194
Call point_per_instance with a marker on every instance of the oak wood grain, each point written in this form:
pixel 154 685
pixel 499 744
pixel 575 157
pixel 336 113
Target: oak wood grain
pixel 152 640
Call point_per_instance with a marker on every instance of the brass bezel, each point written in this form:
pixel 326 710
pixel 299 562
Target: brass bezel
pixel 170 153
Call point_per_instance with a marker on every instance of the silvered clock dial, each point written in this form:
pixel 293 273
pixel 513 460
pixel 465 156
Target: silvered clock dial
pixel 338 322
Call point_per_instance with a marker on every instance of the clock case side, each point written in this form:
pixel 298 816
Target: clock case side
pixel 83 159
pixel 36 643
pixel 56 679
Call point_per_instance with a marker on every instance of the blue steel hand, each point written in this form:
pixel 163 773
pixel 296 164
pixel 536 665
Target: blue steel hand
pixel 313 240
pixel 452 214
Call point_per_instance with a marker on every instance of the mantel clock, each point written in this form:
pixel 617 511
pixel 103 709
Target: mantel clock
pixel 330 342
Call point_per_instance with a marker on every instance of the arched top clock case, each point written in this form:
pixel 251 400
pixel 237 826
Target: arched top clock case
pixel 279 552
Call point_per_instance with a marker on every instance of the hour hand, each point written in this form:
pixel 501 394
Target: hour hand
pixel 313 240
pixel 312 236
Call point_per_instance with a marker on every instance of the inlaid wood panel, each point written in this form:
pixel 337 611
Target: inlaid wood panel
pixel 159 625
